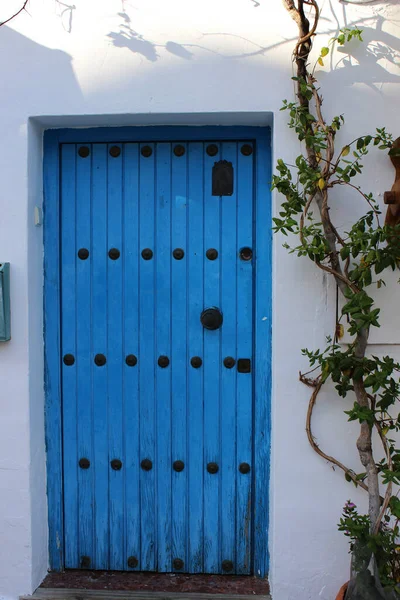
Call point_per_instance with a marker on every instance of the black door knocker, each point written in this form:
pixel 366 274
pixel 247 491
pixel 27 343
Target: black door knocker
pixel 211 318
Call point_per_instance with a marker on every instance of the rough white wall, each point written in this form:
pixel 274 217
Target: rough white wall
pixel 147 61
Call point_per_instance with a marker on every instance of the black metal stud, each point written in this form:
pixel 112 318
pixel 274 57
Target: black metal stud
pixel 212 149
pixel 227 566
pixel 131 360
pixel 212 254
pixel 100 360
pixel 212 468
pixel 229 362
pixel 115 151
pixel 85 562
pixel 146 464
pixel 114 253
pixel 116 464
pixel 222 178
pixel 196 362
pixel 69 359
pixel 246 149
pixel 84 463
pixel 178 253
pixel 246 253
pixel 163 361
pixel 244 468
pixel 178 465
pixel 211 318
pixel 147 253
pixel 132 562
pixel 83 253
pixel 244 365
pixel 179 150
pixel 146 151
pixel 83 151
pixel 178 564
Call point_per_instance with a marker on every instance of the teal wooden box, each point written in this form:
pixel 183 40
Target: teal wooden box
pixel 5 313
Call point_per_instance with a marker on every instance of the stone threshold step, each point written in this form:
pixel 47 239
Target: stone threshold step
pixel 76 594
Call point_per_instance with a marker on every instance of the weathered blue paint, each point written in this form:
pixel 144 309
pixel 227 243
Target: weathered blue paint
pixel 150 308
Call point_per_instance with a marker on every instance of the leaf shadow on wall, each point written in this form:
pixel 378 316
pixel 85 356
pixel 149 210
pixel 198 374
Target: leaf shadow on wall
pixel 127 37
pixel 365 62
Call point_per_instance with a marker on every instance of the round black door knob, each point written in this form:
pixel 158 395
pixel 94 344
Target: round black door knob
pixel 83 151
pixel 178 465
pixel 211 318
pixel 178 564
pixel 132 562
pixel 244 468
pixel 115 151
pixel 84 463
pixel 227 566
pixel 178 253
pixel 147 253
pixel 212 254
pixel 146 151
pixel 212 468
pixel 116 464
pixel 246 253
pixel 83 253
pixel 131 360
pixel 179 150
pixel 69 360
pixel 246 150
pixel 100 360
pixel 229 362
pixel 196 362
pixel 146 464
pixel 114 253
pixel 163 361
pixel 212 149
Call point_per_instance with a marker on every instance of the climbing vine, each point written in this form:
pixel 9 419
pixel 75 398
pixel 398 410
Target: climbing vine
pixel 356 259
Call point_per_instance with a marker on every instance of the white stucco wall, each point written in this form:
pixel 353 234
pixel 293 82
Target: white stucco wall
pixel 225 61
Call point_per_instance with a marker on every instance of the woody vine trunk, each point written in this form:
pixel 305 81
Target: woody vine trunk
pixel 321 198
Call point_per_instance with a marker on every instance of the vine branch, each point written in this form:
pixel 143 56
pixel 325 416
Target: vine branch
pixel 23 7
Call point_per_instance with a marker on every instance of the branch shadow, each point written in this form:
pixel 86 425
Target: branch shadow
pixel 360 62
pixel 65 12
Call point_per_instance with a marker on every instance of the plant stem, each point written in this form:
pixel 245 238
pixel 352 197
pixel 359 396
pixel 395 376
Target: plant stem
pixel 301 56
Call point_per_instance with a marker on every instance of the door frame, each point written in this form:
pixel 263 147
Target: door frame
pixel 261 136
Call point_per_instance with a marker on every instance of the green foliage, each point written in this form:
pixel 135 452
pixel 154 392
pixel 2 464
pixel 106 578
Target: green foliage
pixel 384 544
pixel 357 259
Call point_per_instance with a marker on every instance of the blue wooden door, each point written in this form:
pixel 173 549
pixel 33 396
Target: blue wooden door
pixel 157 392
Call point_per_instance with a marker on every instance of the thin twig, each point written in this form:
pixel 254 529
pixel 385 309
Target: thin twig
pixel 23 7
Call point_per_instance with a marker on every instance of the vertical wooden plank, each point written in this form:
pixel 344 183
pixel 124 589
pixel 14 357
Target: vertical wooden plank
pixel 245 326
pixel 180 358
pixel 212 369
pixel 131 257
pixel 163 348
pixel 262 372
pixel 114 359
pixel 99 260
pixel 232 313
pixel 195 416
pixel 83 354
pixel 147 361
pixel 68 333
pixel 52 348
